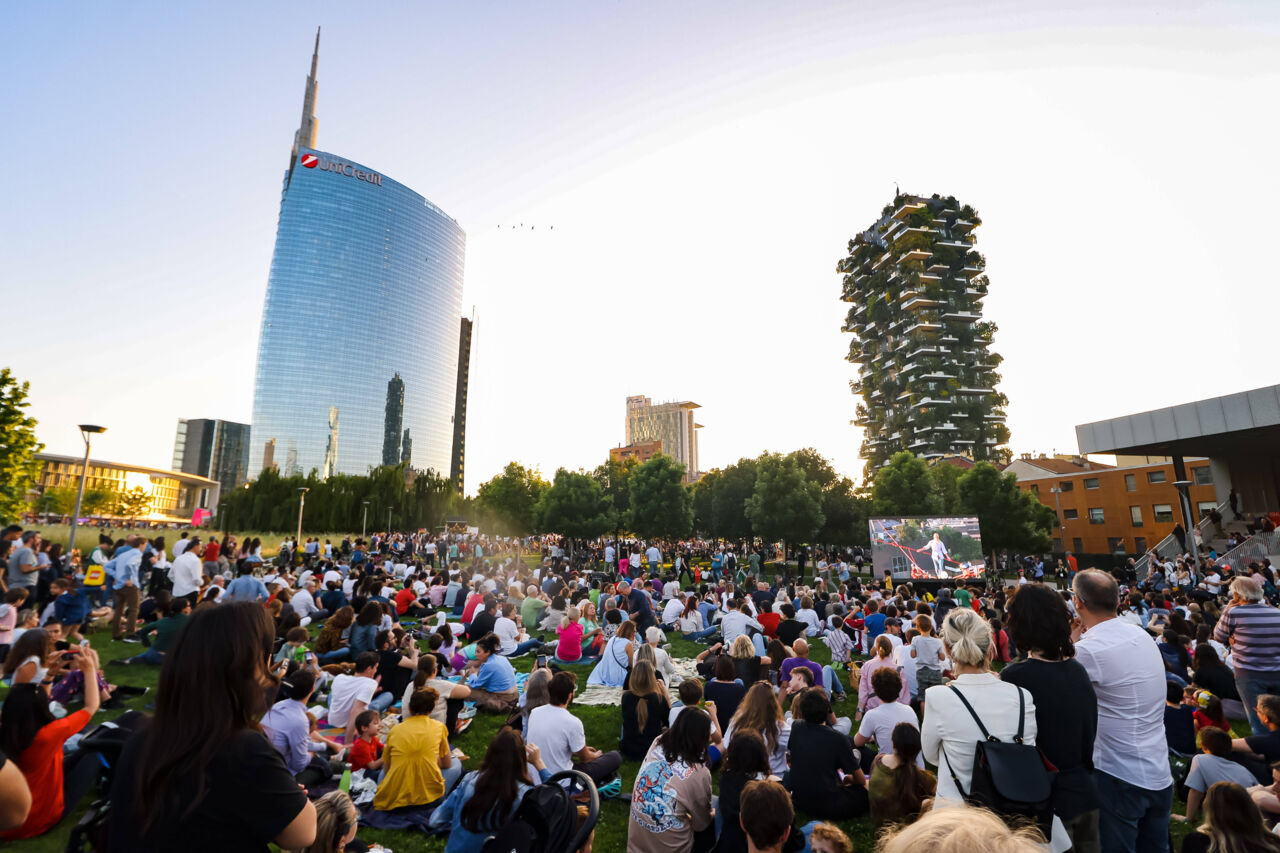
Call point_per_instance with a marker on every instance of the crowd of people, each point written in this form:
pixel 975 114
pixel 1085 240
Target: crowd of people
pixel 303 696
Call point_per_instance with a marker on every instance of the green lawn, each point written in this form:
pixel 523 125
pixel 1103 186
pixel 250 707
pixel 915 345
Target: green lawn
pixel 602 729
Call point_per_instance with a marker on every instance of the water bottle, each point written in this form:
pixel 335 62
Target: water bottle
pixel 345 784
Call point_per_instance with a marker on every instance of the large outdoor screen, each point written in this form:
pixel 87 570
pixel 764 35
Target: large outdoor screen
pixel 927 548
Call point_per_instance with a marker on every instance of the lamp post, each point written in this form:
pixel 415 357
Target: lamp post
pixel 86 430
pixel 389 519
pixel 1184 501
pixel 302 502
pixel 1062 523
pixel 364 525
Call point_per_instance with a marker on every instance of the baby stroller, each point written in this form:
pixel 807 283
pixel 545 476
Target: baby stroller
pixel 547 818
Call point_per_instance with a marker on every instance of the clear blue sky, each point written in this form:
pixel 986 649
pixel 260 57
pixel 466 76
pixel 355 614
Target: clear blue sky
pixel 704 165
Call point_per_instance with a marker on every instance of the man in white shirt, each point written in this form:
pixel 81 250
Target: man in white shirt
pixel 181 545
pixel 512 641
pixel 350 695
pixel 304 603
pixel 187 572
pixel 561 739
pixel 609 556
pixel 734 624
pixel 671 612
pixel 1130 754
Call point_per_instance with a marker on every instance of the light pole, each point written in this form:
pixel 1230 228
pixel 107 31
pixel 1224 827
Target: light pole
pixel 86 430
pixel 364 525
pixel 1184 501
pixel 1062 523
pixel 302 502
pixel 389 519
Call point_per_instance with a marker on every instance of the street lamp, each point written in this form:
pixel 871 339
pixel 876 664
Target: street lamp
pixel 1184 500
pixel 364 525
pixel 302 502
pixel 1062 522
pixel 86 430
pixel 389 519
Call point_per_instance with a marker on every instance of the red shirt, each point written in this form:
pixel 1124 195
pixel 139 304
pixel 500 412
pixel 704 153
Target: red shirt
pixel 363 752
pixel 769 621
pixel 211 552
pixel 404 598
pixel 41 763
pixel 469 612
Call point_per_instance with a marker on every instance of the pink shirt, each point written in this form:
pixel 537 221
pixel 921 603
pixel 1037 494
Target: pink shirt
pixel 570 646
pixel 867 699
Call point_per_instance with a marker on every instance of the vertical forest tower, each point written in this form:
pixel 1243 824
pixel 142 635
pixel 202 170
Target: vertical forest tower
pixel 926 374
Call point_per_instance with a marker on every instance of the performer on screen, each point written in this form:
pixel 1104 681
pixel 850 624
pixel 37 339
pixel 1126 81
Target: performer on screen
pixel 938 549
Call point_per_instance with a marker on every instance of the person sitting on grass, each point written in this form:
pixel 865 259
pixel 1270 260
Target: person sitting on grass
pixel 767 816
pixel 163 632
pixel 331 646
pixel 615 659
pixel 878 723
pixel 569 640
pixel 351 694
pixel 671 801
pixel 492 678
pixel 33 739
pixel 295 646
pixel 288 728
pixel 336 823
pixel 366 750
pixel 1231 823
pixel 644 712
pixel 1210 767
pixel 746 760
pixel 819 757
pixel 828 838
pixel 487 798
pixel 561 738
pixel 452 694
pixel 419 765
pixel 900 789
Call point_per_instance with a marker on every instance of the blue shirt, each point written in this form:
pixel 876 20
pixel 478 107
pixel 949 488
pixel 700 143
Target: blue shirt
pixel 287 727
pixel 72 607
pixel 496 675
pixel 449 814
pixel 874 625
pixel 247 588
pixel 124 567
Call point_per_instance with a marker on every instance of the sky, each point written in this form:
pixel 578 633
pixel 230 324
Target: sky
pixel 703 165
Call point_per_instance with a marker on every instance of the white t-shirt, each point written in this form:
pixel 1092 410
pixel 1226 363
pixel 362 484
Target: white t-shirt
pixel 878 724
pixel 440 712
pixel 303 603
pixel 672 611
pixel 180 546
pixel 1213 583
pixel 558 734
pixel 609 553
pixel 927 650
pixel 777 761
pixel 346 690
pixel 652 554
pixel 508 633
pixel 333 575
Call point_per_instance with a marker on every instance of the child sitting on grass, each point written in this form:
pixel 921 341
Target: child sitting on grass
pixel 366 751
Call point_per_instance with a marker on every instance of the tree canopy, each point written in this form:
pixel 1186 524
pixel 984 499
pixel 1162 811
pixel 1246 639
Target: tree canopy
pixel 574 506
pixel 18 446
pixel 661 504
pixel 785 505
pixel 512 499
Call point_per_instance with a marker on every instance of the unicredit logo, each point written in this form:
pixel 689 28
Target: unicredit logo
pixel 325 164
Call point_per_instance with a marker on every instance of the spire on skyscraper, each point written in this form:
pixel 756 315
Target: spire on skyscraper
pixel 306 135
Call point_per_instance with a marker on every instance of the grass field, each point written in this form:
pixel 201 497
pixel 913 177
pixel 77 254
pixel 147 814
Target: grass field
pixel 602 729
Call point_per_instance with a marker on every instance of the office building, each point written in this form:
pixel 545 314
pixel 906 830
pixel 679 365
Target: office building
pixel 926 374
pixel 670 423
pixel 458 461
pixel 641 452
pixel 173 496
pixel 360 320
pixel 213 448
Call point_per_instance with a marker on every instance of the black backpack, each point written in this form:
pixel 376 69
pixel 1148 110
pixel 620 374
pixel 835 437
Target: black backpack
pixel 1014 780
pixel 546 820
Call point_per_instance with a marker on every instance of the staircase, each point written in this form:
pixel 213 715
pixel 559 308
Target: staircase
pixel 1168 548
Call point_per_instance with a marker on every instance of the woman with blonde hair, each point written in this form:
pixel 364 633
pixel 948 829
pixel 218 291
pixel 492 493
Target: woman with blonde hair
pixel 645 710
pixel 760 712
pixel 960 830
pixel 616 657
pixel 336 819
pixel 746 663
pixel 1232 824
pixel 569 642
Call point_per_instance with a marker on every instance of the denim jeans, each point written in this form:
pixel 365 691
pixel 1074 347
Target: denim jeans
pixel 757 640
pixel 701 635
pixel 1132 819
pixel 150 656
pixel 381 702
pixel 335 656
pixel 525 647
pixel 1252 685
pixel 831 681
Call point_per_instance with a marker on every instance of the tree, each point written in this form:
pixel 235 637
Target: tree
pixel 1012 520
pixel 661 504
pixel 511 497
pixel 846 514
pixel 18 446
pixel 946 482
pixel 785 506
pixel 57 500
pixel 704 515
pixel 574 506
pixel 614 477
pixel 133 503
pixel 729 503
pixel 904 487
pixel 99 501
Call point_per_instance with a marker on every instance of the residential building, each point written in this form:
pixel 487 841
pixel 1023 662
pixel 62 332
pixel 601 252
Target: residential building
pixel 458 459
pixel 641 452
pixel 672 424
pixel 213 448
pixel 175 496
pixel 365 290
pixel 926 375
pixel 1104 509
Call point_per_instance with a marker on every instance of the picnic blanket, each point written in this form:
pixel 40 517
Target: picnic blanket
pixel 599 694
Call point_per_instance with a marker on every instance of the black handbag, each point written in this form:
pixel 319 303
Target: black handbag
pixel 1014 780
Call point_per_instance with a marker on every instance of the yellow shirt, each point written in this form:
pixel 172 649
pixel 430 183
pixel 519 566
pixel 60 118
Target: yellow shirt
pixel 413 752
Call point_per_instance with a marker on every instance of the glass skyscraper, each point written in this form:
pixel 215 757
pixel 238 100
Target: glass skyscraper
pixel 364 295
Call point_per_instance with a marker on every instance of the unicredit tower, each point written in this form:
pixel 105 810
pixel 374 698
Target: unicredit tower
pixel 358 351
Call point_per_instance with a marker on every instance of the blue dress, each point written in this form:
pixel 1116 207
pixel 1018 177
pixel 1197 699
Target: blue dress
pixel 612 669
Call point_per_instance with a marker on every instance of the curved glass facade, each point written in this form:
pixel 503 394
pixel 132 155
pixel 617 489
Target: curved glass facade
pixel 357 355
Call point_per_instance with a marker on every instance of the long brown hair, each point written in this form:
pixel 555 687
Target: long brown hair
pixel 644 682
pixel 213 685
pixel 760 713
pixel 1233 823
pixel 497 785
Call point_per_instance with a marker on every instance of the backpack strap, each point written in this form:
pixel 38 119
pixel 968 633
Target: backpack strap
pixel 1022 714
pixel 986 735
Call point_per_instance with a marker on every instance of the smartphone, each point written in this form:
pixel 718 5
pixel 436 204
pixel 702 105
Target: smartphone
pixel 541 662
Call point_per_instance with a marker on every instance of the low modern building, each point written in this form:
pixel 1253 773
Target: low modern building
pixel 175 495
pixel 672 424
pixel 641 452
pixel 213 448
pixel 1105 509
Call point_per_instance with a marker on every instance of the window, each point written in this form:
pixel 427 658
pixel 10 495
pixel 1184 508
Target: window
pixel 1202 476
pixel 1155 477
pixel 1070 514
pixel 1077 545
pixel 1135 515
pixel 1140 544
pixel 1096 515
pixel 1205 507
pixel 1057 545
pixel 1130 483
pixel 1115 544
pixel 1091 483
pixel 1035 488
pixel 1066 486
pixel 1162 512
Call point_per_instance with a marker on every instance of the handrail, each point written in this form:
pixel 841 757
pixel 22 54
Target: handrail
pixel 1256 547
pixel 1168 546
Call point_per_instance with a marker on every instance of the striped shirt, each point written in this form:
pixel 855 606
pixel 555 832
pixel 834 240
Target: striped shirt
pixel 1253 631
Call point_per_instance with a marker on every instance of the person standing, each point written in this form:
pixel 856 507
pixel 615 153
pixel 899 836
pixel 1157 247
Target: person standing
pixel 24 566
pixel 1130 756
pixel 938 550
pixel 187 573
pixel 1251 627
pixel 124 567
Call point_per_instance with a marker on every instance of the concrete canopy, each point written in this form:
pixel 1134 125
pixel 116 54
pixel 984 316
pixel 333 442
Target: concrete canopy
pixel 1234 425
